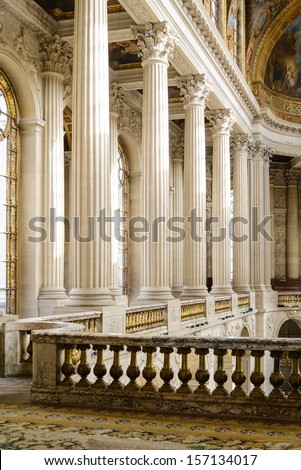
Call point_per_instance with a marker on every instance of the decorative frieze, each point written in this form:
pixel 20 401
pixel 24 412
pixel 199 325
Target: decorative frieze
pixel 117 97
pixel 22 48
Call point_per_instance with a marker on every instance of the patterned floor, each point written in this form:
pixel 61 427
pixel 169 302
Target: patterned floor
pixel 26 426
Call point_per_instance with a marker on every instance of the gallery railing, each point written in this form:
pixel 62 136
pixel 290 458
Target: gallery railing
pixel 155 373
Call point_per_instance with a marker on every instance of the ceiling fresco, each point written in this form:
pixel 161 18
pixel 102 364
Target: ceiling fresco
pixel 64 9
pixel 283 72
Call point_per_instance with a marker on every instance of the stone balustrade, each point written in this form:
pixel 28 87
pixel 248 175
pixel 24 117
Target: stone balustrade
pixel 289 299
pixel 145 318
pixel 186 375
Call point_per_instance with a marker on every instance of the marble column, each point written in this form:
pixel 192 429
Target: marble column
pixel 267 213
pixel 116 103
pixel 156 43
pixel 257 216
pixel 241 213
pixel 177 151
pixel 221 122
pixel 55 56
pixel 292 226
pixel 195 90
pixel 273 174
pixel 91 247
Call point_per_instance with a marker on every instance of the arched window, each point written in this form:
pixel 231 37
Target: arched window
pixel 8 198
pixel 123 194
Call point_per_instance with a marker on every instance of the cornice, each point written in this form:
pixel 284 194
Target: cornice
pixel 30 15
pixel 214 42
pixel 272 121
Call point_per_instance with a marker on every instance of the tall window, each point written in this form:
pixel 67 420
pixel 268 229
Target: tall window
pixel 123 193
pixel 8 198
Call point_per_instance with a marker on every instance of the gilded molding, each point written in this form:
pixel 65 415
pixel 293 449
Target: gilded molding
pixel 155 41
pixel 195 89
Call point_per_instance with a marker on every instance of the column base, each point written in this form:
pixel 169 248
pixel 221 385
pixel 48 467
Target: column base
pixel 154 294
pixel 242 289
pixel 90 298
pixel 115 291
pixel 195 292
pixel 221 290
pixel 177 291
pixel 50 298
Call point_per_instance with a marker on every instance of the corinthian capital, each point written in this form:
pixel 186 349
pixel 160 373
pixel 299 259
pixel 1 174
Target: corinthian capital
pixel 221 120
pixel 116 98
pixel 195 89
pixel 240 143
pixel 264 152
pixel 292 177
pixel 56 56
pixel 156 41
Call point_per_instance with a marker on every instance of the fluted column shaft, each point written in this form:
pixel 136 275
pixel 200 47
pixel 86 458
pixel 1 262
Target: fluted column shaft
pixel 195 90
pixel 267 214
pixel 292 226
pixel 272 206
pixel 116 103
pixel 221 122
pixel 241 214
pixel 257 206
pixel 55 57
pixel 91 154
pixel 156 44
pixel 178 211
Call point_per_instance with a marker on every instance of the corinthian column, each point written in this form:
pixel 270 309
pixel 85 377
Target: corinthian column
pixel 156 43
pixel 268 215
pixel 195 91
pixel 177 151
pixel 241 213
pixel 257 217
pixel 55 58
pixel 116 104
pixel 292 225
pixel 221 122
pixel 91 249
pixel 273 174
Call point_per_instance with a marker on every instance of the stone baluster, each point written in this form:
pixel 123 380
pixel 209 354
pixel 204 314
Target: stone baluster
pixel 238 376
pixel 202 374
pixel 84 367
pixel 276 377
pixel 295 376
pixel 149 372
pixel 68 368
pixel 257 377
pixel 184 373
pixel 166 372
pixel 220 375
pixel 133 371
pixel 100 369
pixel 116 370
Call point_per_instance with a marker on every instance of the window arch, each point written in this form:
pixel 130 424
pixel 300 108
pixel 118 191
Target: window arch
pixel 123 205
pixel 8 197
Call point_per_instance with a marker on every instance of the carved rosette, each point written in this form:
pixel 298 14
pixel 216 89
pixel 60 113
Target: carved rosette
pixel 117 97
pixel 292 177
pixel 155 41
pixel 195 89
pixel 56 56
pixel 221 120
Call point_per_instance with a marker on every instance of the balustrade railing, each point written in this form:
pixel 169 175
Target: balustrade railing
pixel 165 377
pixel 223 305
pixel 193 309
pixel 140 319
pixel 289 299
